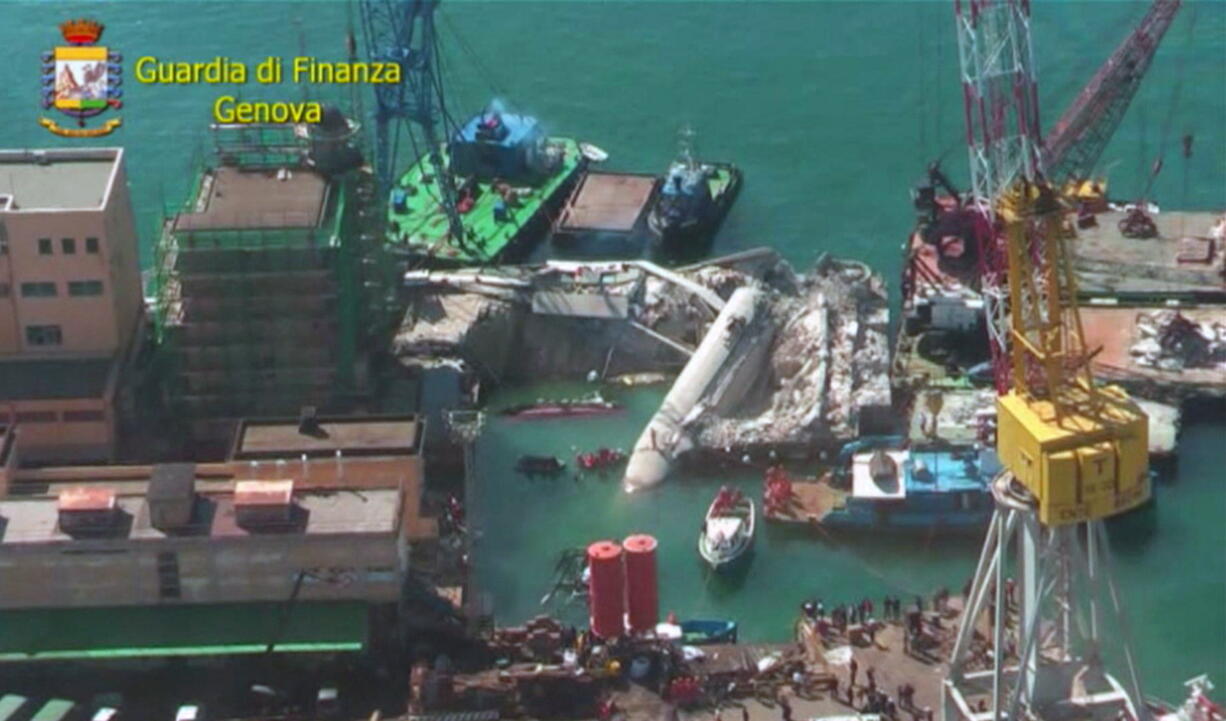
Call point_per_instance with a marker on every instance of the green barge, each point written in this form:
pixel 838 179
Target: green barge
pixel 509 181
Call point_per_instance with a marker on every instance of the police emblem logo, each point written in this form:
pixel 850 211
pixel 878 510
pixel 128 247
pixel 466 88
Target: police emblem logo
pixel 82 80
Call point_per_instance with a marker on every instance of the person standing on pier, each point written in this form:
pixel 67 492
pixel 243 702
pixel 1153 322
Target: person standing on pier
pixel 937 606
pixel 855 669
pixel 871 673
pixel 785 707
pixel 906 696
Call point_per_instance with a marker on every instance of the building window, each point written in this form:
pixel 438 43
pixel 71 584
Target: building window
pixel 4 290
pixel 84 287
pixel 36 417
pixel 91 245
pixel 83 416
pixel 44 246
pixel 168 575
pixel 68 245
pixel 38 290
pixel 44 335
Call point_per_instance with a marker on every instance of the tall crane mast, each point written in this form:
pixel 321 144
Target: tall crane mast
pixel 402 32
pixel 1001 110
pixel 1072 453
pixel 1075 144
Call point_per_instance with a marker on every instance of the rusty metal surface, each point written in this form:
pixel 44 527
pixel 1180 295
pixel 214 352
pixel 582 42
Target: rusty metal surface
pixel 1114 330
pixel 609 202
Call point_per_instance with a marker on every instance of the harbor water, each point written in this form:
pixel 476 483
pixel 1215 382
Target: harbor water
pixel 833 110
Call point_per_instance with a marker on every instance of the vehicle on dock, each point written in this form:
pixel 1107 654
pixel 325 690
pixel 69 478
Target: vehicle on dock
pixel 699 632
pixel 728 529
pixel 693 201
pixel 600 460
pixel 562 409
pixel 509 180
pixel 540 465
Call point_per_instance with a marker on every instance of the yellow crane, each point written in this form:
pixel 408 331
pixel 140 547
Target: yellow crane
pixel 1043 622
pixel 1080 449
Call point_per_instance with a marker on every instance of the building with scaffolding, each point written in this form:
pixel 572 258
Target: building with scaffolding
pixel 263 297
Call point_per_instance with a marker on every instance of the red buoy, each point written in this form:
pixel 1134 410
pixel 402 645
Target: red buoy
pixel 642 590
pixel 606 589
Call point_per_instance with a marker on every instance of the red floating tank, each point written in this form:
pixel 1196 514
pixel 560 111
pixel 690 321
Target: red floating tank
pixel 642 591
pixel 606 589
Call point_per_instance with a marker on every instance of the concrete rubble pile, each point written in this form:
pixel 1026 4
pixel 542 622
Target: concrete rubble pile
pixel 670 310
pixel 1168 340
pixel 829 358
pixel 807 353
pixel 443 325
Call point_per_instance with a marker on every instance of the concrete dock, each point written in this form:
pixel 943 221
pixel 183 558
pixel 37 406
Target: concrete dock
pixel 892 667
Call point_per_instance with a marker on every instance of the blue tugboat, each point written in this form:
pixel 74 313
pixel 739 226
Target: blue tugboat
pixel 692 202
pixel 892 488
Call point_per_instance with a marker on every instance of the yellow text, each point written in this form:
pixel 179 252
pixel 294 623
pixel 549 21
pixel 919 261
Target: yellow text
pixel 227 109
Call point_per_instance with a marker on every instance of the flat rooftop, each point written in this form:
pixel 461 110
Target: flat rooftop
pixel 35 520
pixel 281 437
pixel 232 199
pixel 59 179
pixel 612 202
pixel 27 380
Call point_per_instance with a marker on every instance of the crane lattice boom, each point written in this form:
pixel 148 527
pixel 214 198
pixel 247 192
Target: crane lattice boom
pixel 1076 143
pixel 402 31
pixel 1000 105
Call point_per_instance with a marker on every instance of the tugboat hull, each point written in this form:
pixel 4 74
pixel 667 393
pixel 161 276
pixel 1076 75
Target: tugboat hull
pixel 691 237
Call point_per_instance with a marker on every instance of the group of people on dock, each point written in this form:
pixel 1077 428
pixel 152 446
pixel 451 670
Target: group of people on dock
pixel 868 697
pixel 845 616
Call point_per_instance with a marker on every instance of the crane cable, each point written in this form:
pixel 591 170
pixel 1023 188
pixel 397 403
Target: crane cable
pixel 1164 135
pixel 467 48
pixel 925 99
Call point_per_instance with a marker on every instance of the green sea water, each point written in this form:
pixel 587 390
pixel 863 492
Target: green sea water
pixel 833 110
